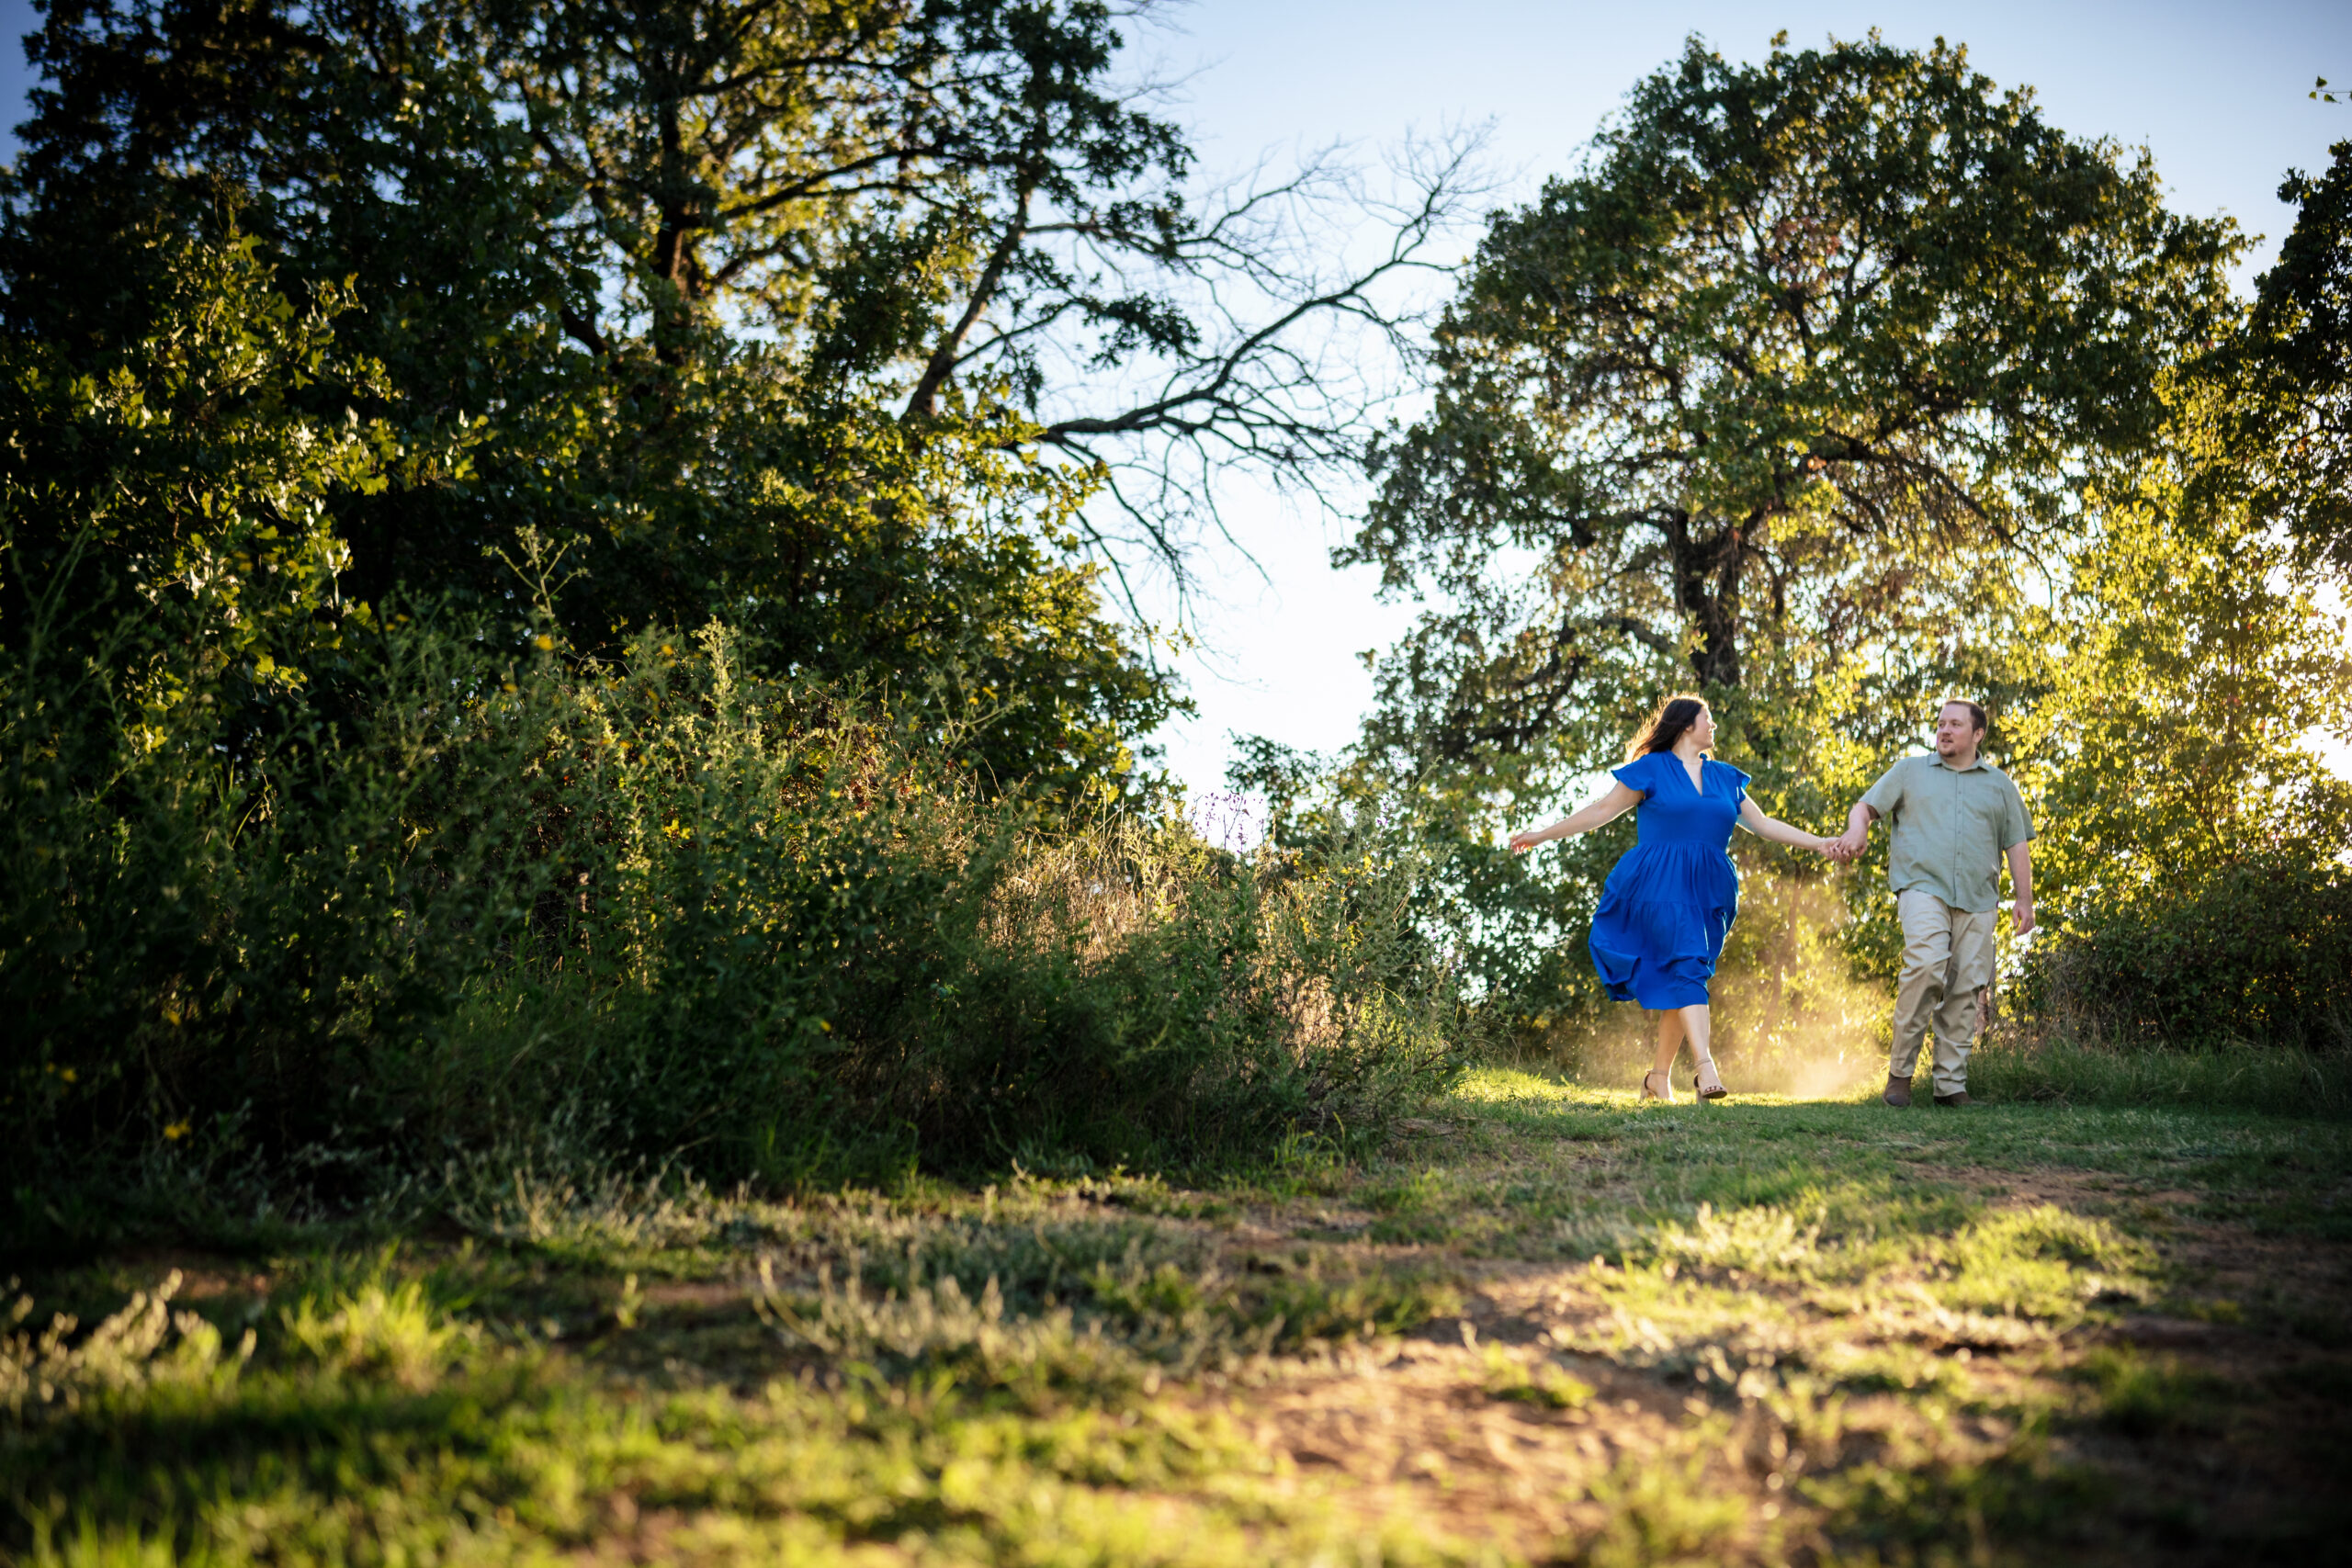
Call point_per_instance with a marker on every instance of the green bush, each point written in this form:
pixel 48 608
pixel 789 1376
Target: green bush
pixel 2257 953
pixel 454 892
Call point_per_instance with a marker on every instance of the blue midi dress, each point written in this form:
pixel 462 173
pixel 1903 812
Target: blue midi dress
pixel 1669 903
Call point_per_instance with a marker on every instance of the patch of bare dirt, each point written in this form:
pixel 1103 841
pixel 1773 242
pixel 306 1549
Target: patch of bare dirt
pixel 1408 1431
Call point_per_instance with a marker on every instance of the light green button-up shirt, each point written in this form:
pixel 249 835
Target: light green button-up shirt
pixel 1949 827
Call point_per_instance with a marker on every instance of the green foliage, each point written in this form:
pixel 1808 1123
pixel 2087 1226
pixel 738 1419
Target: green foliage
pixel 661 909
pixel 2259 952
pixel 2291 374
pixel 671 318
pixel 2162 740
pixel 334 866
pixel 206 841
pixel 1693 385
pixel 2188 871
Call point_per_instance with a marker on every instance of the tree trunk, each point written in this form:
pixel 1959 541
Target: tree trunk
pixel 1707 580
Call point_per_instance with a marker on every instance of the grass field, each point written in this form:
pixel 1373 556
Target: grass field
pixel 1542 1326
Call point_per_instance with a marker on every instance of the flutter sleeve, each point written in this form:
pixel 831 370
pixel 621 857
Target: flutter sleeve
pixel 1739 780
pixel 1641 773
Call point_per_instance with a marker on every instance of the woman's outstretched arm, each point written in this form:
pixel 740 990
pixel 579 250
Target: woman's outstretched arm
pixel 1607 808
pixel 1752 818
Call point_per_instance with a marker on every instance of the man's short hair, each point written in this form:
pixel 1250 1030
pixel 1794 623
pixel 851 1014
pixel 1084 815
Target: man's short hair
pixel 1975 711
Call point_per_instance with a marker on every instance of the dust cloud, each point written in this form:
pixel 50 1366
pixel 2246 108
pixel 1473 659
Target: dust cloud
pixel 1790 1017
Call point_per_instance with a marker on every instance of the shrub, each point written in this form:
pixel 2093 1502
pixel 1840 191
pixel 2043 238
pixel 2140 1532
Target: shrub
pixel 2259 952
pixel 473 895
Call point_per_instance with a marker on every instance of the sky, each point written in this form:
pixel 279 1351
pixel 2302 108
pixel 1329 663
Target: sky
pixel 2216 93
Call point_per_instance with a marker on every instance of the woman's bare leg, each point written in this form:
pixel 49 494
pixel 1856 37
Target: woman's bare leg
pixel 1670 1038
pixel 1697 1024
pixel 1659 1082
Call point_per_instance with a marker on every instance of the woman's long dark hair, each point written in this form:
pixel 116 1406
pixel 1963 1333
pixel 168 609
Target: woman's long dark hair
pixel 1674 716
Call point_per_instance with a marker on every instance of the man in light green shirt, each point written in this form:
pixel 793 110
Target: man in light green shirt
pixel 1950 818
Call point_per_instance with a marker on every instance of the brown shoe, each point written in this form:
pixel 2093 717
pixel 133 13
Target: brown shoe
pixel 1952 1102
pixel 1898 1091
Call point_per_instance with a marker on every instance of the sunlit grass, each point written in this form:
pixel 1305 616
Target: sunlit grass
pixel 1852 1334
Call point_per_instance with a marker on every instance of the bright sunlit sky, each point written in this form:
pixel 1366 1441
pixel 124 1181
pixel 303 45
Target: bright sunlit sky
pixel 2217 93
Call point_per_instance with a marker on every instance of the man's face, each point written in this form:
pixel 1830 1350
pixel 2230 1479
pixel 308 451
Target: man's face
pixel 1956 731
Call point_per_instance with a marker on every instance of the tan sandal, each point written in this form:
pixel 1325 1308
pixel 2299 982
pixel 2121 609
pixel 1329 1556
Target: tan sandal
pixel 1699 1084
pixel 1665 1090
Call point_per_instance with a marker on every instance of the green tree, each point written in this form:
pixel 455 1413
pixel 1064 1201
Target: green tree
pixel 171 573
pixel 1776 398
pixel 799 316
pixel 2292 374
pixel 2163 739
pixel 2189 868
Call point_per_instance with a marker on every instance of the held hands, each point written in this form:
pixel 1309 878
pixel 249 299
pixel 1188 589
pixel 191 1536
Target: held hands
pixel 1839 850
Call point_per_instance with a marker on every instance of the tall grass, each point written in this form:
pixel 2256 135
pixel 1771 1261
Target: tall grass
pixel 2038 1065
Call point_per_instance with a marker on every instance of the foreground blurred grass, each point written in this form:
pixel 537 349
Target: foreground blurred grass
pixel 1584 1331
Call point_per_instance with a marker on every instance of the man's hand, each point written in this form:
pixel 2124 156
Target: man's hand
pixel 1857 836
pixel 2021 915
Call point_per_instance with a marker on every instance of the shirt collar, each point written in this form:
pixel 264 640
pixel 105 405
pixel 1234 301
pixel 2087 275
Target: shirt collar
pixel 1938 758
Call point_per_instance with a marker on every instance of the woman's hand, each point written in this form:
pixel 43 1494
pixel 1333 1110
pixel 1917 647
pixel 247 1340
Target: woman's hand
pixel 1525 840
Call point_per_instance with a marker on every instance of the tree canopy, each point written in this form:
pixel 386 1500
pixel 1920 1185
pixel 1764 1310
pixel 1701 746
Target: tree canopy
pixel 830 321
pixel 1759 389
pixel 2293 386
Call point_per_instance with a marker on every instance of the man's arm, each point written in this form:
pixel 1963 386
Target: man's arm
pixel 1882 799
pixel 1858 830
pixel 2022 884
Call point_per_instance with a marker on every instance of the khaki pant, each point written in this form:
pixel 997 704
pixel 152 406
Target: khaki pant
pixel 1947 954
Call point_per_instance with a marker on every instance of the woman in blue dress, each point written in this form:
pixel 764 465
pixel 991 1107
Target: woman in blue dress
pixel 1670 901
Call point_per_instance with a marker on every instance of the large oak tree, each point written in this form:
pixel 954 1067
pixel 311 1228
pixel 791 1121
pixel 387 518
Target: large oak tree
pixel 1800 331
pixel 1779 397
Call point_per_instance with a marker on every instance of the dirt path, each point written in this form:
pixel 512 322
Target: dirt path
pixel 2220 1439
